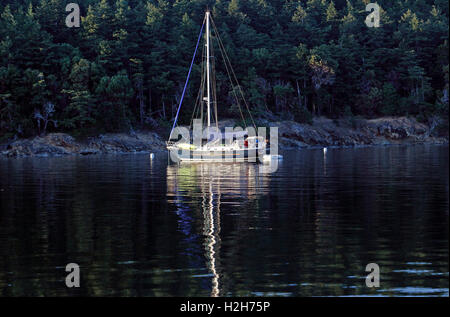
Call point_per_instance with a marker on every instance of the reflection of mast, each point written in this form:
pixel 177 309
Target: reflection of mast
pixel 211 232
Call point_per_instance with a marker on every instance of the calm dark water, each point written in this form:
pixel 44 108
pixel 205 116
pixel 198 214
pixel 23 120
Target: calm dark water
pixel 141 228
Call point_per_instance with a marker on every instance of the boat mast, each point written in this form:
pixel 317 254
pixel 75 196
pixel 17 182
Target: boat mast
pixel 208 98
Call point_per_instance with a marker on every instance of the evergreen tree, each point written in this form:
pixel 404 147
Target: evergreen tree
pixel 127 62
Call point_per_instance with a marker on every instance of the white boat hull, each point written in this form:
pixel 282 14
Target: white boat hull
pixel 239 155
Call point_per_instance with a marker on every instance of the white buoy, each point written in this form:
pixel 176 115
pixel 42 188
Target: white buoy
pixel 152 156
pixel 324 150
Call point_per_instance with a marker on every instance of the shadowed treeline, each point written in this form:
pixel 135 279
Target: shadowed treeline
pixel 125 66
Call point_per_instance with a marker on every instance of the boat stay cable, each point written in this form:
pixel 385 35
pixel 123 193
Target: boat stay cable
pixel 224 53
pixel 187 79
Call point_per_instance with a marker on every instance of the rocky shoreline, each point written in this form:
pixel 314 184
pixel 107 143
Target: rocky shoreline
pixel 356 132
pixel 63 144
pixel 292 135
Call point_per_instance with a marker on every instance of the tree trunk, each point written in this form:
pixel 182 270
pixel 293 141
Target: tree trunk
pixel 332 103
pixel 45 126
pixel 141 111
pixel 423 93
pixel 299 95
pixel 164 108
pixel 305 102
pixel 140 87
pixel 276 104
pixel 149 100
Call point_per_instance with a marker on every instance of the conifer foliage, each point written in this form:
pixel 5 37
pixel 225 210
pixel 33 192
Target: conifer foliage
pixel 125 66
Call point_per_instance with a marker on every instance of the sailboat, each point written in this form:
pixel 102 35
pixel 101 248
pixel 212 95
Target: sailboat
pixel 240 145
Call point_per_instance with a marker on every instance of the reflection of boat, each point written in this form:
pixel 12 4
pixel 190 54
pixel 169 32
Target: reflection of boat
pixel 240 145
pixel 207 186
pixel 234 180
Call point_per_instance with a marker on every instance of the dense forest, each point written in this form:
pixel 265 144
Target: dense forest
pixel 124 68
